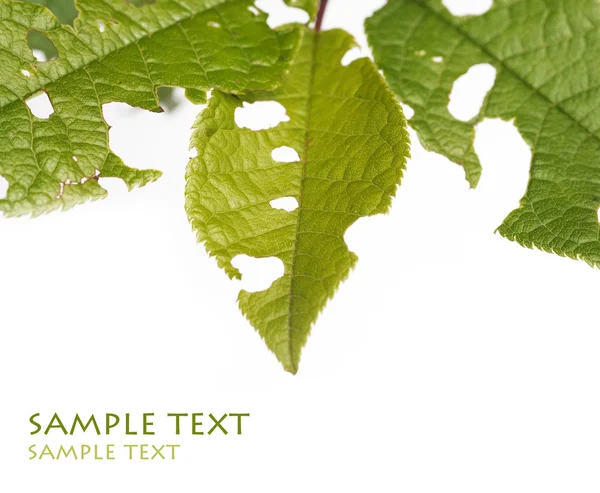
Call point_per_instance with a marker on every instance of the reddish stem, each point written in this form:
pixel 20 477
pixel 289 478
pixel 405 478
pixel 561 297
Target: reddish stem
pixel 320 15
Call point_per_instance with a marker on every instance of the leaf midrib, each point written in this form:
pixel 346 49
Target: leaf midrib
pixel 304 161
pixel 501 62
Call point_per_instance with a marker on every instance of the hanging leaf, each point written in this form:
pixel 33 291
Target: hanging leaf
pixel 115 52
pixel 349 133
pixel 546 56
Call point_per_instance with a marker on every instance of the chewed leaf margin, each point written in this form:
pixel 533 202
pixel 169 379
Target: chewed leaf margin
pixel 546 83
pixel 116 52
pixel 349 132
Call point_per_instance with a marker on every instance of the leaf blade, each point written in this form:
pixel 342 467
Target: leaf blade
pixel 545 82
pixel 349 132
pixel 115 52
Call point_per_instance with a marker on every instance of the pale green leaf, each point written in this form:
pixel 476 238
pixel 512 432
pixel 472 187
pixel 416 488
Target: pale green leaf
pixel 115 52
pixel 546 54
pixel 349 133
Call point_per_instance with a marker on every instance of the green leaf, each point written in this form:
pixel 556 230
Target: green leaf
pixel 65 12
pixel 115 52
pixel 350 134
pixel 546 55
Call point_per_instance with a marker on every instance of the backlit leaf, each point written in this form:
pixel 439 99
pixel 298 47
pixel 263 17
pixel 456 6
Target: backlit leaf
pixel 349 133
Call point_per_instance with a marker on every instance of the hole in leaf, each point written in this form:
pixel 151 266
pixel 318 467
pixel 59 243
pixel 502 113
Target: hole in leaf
pixel 285 154
pixel 3 187
pixel 39 55
pixel 38 41
pixel 506 158
pixel 26 73
pixel 193 153
pixel 101 26
pixel 469 91
pixel 75 158
pixel 216 25
pixel 288 204
pixel 261 115
pixel 40 105
pixel 351 55
pixel 468 7
pixel 258 273
pixel 281 13
pixel 408 111
pixel 437 59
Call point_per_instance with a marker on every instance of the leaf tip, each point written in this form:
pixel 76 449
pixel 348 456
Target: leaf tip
pixel 293 368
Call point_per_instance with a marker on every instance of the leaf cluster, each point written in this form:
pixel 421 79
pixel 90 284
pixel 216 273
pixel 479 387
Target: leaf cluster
pixel 344 124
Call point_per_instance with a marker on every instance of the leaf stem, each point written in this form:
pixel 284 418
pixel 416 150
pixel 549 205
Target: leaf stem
pixel 320 15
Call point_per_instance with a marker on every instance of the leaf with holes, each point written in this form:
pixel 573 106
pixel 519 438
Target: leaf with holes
pixel 349 135
pixel 65 12
pixel 115 52
pixel 548 78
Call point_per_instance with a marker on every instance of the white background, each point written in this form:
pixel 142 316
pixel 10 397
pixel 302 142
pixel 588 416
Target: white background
pixel 452 360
